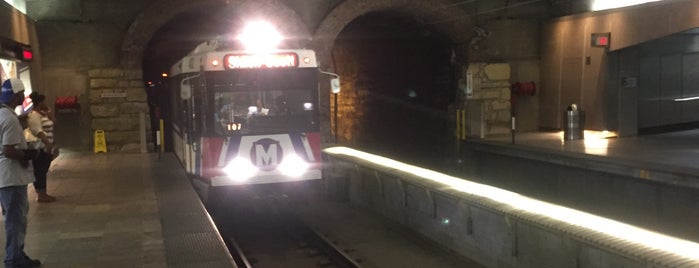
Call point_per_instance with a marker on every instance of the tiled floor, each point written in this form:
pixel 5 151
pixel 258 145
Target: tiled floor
pixel 108 212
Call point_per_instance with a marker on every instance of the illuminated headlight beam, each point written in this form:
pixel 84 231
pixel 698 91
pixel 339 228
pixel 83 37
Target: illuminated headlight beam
pixel 609 227
pixel 293 166
pixel 240 169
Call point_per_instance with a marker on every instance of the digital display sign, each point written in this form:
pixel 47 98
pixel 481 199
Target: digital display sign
pixel 600 39
pixel 257 61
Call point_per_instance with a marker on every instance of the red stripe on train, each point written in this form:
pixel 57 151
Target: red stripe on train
pixel 314 142
pixel 210 153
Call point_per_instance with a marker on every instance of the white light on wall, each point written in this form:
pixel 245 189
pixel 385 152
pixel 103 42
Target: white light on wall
pixel 609 4
pixel 20 5
pixel 687 99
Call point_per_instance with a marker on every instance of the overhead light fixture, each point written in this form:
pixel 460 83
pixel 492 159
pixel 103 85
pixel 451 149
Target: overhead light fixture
pixel 598 5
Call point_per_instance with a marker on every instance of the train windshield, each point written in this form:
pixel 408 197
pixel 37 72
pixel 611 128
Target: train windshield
pixel 264 101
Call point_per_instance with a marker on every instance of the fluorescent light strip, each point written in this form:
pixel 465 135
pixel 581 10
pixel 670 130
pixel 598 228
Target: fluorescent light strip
pixel 610 227
pixel 610 4
pixel 687 99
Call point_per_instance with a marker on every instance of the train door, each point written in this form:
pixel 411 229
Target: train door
pixel 188 87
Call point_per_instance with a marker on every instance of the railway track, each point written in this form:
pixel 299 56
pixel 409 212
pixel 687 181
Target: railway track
pixel 262 231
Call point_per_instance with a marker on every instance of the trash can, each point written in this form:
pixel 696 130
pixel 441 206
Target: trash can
pixel 574 123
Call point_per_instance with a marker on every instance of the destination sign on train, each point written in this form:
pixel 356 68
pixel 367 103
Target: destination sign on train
pixel 251 61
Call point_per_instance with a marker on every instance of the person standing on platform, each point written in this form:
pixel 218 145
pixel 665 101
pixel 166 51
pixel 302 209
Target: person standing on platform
pixel 14 175
pixel 40 136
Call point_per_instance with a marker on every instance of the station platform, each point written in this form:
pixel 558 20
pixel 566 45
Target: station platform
pixel 650 181
pixel 669 158
pixel 121 210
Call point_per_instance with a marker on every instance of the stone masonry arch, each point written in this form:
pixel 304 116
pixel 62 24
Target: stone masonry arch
pixel 162 11
pixel 117 99
pixel 449 20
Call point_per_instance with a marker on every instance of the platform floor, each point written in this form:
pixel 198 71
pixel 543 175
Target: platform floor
pixel 672 157
pixel 676 149
pixel 121 210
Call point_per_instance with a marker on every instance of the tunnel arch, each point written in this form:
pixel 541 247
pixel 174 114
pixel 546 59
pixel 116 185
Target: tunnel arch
pixel 451 22
pixel 161 12
pixel 436 12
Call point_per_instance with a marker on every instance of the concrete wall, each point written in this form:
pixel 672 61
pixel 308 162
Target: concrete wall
pixel 491 232
pixel 14 25
pixel 577 73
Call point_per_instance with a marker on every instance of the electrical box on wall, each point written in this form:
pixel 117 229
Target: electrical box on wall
pixel 466 85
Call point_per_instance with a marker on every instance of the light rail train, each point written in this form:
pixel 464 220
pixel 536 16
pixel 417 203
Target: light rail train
pixel 242 117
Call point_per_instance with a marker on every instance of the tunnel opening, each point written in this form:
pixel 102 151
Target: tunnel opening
pixel 398 87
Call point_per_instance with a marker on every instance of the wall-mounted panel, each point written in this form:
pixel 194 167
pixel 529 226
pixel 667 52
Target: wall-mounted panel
pixel 690 87
pixel 670 89
pixel 649 93
pixel 611 92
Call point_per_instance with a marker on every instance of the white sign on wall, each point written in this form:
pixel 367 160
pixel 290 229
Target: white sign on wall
pixel 113 95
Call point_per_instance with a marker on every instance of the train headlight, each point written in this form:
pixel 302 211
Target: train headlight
pixel 293 166
pixel 260 37
pixel 240 169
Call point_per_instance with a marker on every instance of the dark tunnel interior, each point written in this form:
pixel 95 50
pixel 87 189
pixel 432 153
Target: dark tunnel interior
pixel 403 82
pixel 170 43
pixel 180 36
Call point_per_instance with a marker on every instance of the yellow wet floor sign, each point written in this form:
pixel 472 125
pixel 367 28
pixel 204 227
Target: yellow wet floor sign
pixel 100 143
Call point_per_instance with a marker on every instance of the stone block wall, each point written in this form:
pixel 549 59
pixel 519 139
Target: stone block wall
pixel 117 98
pixel 490 88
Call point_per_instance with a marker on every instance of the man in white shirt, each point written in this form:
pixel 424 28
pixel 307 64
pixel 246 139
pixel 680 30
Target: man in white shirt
pixel 14 175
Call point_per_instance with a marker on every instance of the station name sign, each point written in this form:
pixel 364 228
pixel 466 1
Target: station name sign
pixel 257 61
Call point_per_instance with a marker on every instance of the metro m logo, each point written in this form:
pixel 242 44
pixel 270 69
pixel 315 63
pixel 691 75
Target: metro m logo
pixel 266 154
pixel 265 157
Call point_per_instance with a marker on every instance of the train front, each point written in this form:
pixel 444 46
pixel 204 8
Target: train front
pixel 263 115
